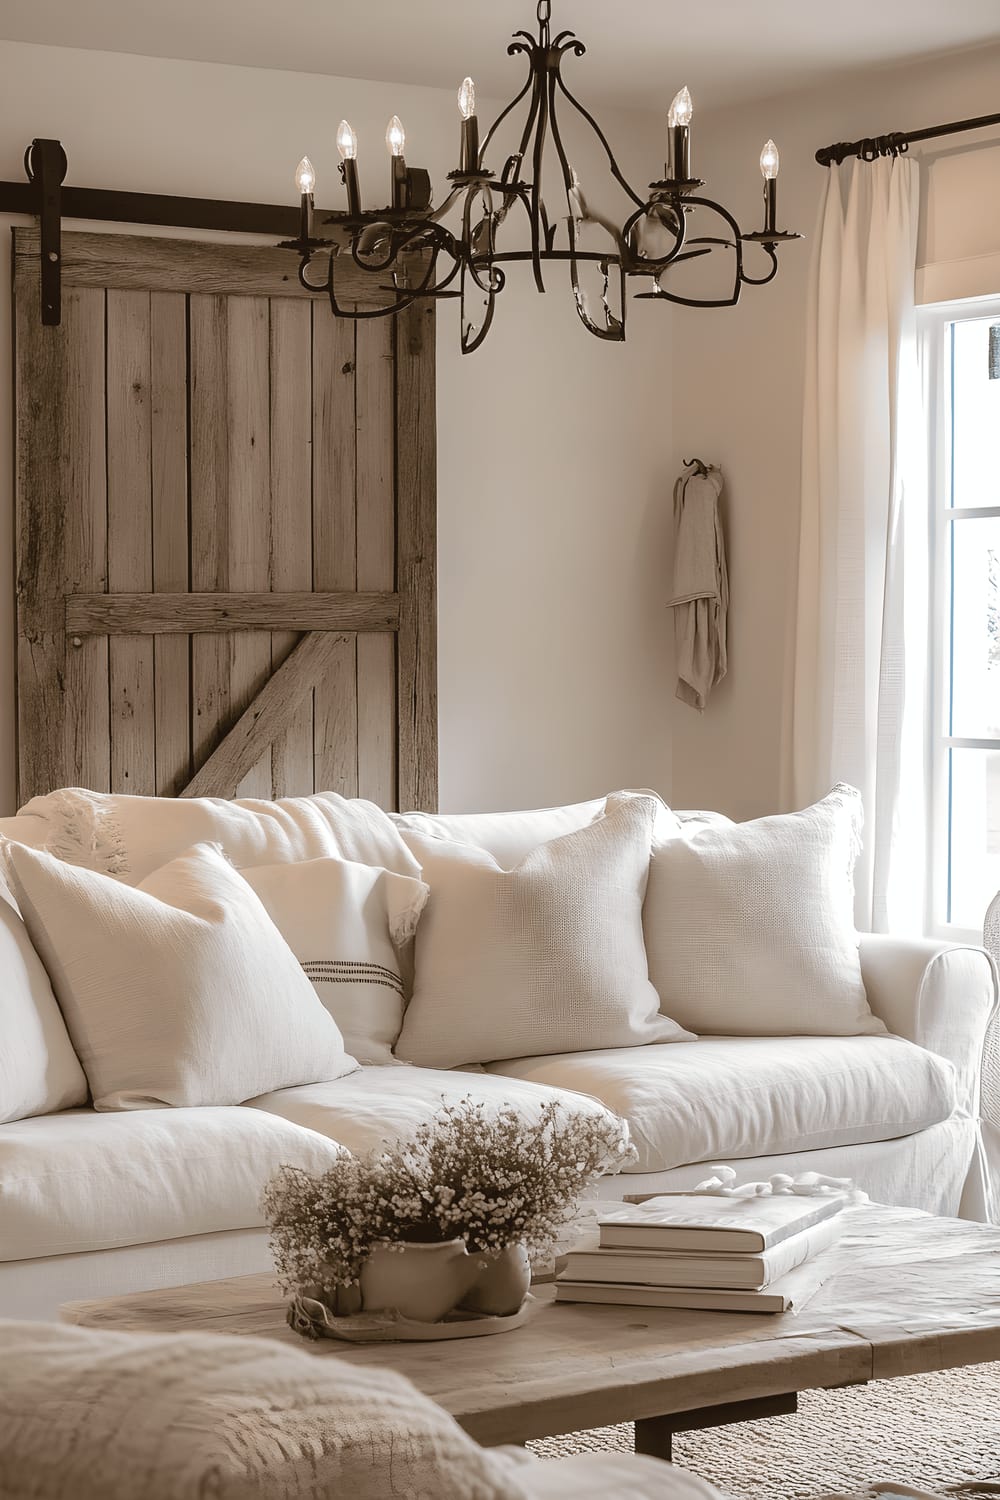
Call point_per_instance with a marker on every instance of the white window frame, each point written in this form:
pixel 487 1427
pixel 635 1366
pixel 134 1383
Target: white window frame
pixel 934 324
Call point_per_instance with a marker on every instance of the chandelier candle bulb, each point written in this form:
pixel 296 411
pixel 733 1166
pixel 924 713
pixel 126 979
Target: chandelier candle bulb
pixel 469 159
pixel 770 161
pixel 347 145
pixel 305 181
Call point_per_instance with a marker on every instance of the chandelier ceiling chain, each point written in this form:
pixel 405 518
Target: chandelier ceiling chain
pixel 415 255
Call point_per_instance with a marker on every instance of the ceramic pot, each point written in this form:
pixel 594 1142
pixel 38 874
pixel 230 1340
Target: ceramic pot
pixel 501 1285
pixel 422 1282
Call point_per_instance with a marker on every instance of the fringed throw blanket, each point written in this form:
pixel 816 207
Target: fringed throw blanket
pixel 129 837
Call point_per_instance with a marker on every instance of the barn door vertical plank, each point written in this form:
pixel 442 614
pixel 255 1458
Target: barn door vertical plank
pixel 171 672
pixel 83 494
pixel 130 537
pixel 61 506
pixel 291 518
pixel 209 397
pixel 376 437
pixel 42 357
pixel 334 544
pixel 249 500
pixel 416 502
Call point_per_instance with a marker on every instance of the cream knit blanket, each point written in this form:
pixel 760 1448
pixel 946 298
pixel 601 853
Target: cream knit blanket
pixel 94 1415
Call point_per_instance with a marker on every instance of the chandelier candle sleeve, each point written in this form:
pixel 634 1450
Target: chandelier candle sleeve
pixel 769 164
pixel 395 140
pixel 679 137
pixel 469 159
pixel 347 145
pixel 305 181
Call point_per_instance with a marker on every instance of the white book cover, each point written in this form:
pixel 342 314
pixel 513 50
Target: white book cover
pixel 695 1221
pixel 701 1268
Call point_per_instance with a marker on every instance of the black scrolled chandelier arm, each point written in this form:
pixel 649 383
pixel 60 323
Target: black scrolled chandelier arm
pixel 771 252
pixel 654 238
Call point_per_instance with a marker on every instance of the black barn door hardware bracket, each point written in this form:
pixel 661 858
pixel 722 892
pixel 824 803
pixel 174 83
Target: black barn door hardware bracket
pixel 45 197
pixel 45 163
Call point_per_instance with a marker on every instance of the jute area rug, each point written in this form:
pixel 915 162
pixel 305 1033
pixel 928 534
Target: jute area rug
pixel 926 1430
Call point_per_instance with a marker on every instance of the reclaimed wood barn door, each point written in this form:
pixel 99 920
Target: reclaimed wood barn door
pixel 225 530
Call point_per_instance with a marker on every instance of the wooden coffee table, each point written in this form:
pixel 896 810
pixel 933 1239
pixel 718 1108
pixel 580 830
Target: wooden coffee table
pixel 912 1293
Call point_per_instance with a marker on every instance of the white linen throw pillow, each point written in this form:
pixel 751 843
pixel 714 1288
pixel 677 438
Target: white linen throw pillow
pixel 345 923
pixel 180 991
pixel 546 957
pixel 39 1071
pixel 750 926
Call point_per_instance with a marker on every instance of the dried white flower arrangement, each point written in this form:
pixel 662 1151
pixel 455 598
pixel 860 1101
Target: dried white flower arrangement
pixel 494 1179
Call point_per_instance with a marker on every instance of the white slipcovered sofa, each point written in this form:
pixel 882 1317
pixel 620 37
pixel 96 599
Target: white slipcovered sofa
pixel 101 1203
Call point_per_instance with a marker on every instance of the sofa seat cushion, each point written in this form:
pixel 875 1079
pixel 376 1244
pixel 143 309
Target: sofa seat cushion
pixel 81 1180
pixel 379 1105
pixel 722 1097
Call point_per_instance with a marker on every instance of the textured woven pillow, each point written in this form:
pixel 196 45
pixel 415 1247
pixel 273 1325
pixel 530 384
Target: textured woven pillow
pixel 750 926
pixel 546 957
pixel 96 1415
pixel 346 923
pixel 180 991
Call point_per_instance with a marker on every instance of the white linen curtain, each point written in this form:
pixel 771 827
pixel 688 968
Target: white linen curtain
pixel 859 697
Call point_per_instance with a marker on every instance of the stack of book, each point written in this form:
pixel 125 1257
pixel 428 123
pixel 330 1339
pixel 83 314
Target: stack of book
pixel 762 1254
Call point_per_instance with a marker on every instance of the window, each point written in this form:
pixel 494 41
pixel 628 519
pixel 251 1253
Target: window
pixel 964 731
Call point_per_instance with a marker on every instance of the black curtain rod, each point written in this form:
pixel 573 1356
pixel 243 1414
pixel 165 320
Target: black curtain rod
pixel 892 145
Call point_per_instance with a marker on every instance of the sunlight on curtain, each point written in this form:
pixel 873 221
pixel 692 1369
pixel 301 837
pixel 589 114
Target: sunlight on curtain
pixel 861 639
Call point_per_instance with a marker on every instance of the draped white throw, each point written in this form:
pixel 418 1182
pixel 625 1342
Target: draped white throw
pixel 861 638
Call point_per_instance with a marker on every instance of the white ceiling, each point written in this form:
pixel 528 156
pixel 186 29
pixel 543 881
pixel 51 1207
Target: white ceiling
pixel 639 51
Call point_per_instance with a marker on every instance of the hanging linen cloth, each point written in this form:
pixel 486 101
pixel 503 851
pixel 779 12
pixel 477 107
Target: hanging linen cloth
pixel 700 595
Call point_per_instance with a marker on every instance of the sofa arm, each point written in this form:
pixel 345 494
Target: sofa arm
pixel 937 994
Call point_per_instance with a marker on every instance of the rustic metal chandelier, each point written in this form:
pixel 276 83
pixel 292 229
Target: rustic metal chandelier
pixel 408 246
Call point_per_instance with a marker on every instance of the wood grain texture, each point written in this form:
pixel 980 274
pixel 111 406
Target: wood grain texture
pixel 416 501
pixel 375 446
pixel 130 536
pixel 41 360
pixel 226 768
pixel 208 319
pixel 83 474
pixel 913 1292
pixel 144 263
pixel 249 504
pixel 291 518
pixel 334 456
pixel 173 614
pixel 171 656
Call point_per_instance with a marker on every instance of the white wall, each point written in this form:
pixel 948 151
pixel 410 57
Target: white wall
pixel 554 449
pixel 738 372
